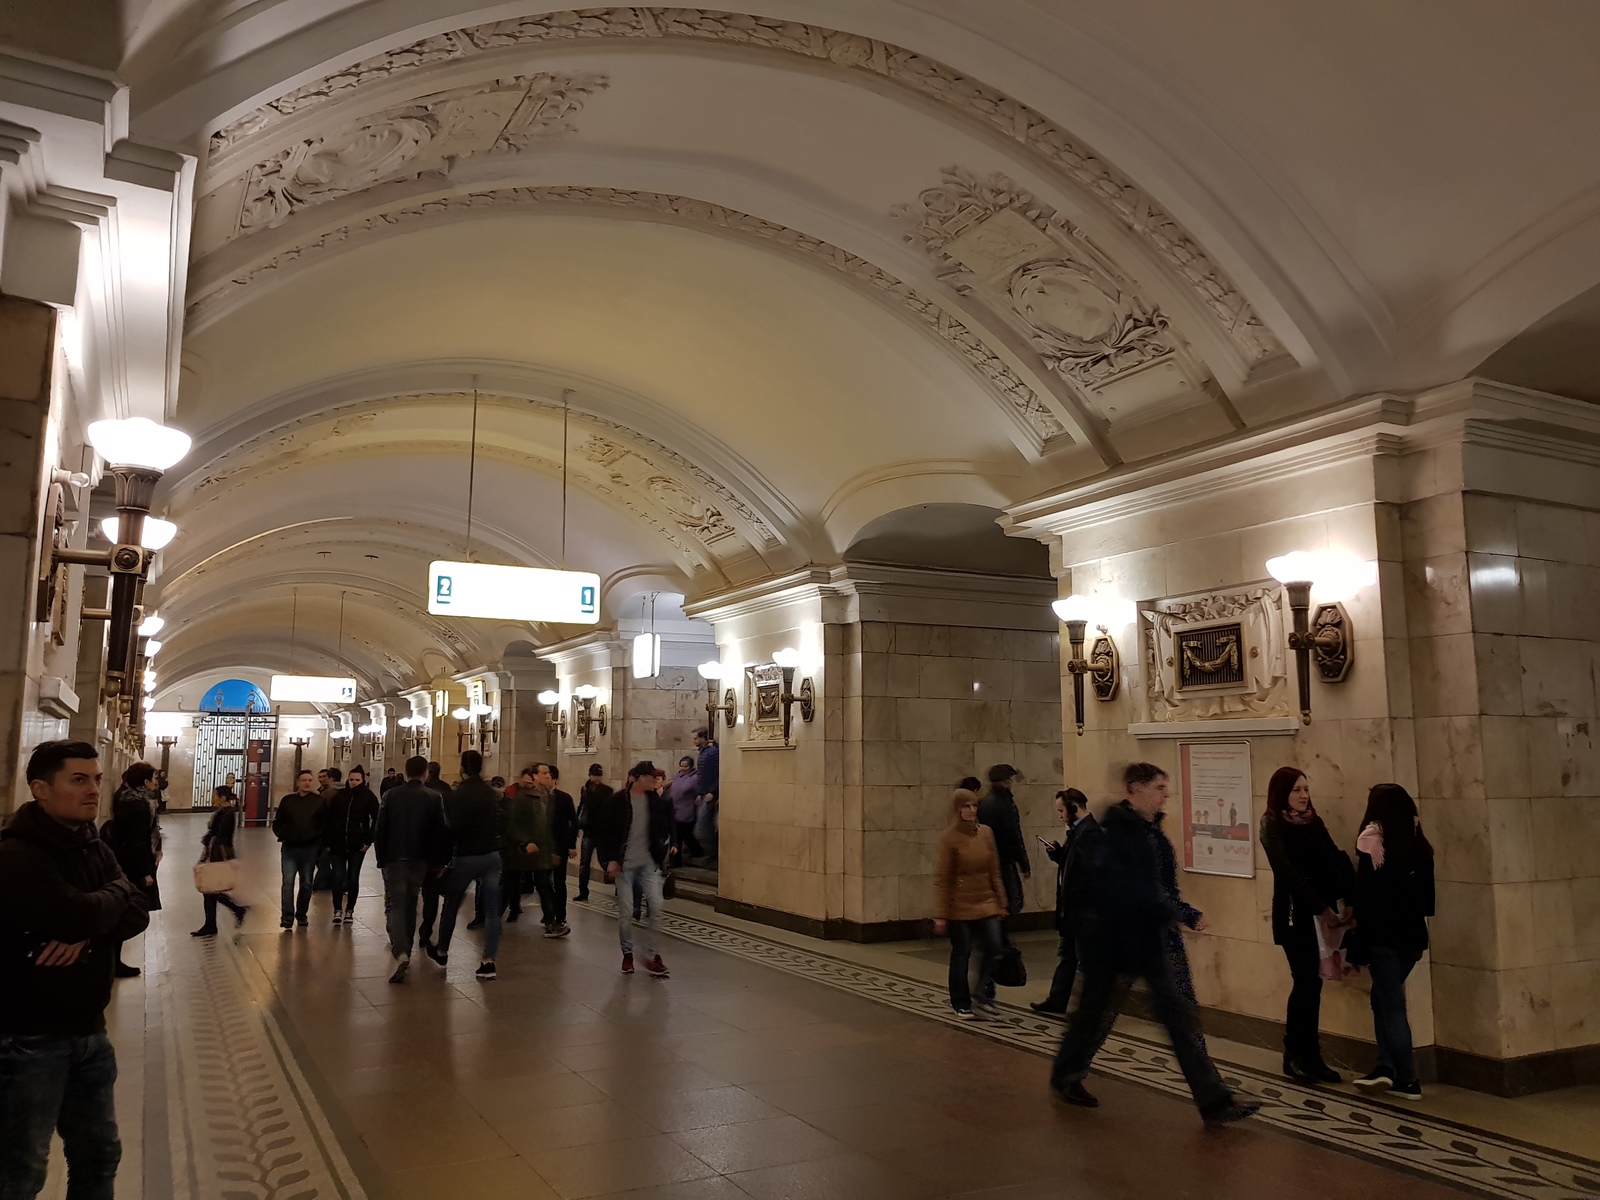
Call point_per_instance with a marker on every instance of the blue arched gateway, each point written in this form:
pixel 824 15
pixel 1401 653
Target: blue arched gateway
pixel 233 746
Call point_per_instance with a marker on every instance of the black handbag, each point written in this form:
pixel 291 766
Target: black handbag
pixel 1009 969
pixel 669 885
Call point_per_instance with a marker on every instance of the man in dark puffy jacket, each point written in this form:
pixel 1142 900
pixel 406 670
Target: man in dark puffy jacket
pixel 410 819
pixel 1072 806
pixel 1122 938
pixel 298 827
pixel 65 907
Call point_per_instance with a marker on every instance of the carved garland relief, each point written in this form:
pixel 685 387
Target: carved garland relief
pixel 1220 654
pixel 1130 204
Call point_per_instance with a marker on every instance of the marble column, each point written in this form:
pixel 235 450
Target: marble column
pixel 27 346
pixel 921 678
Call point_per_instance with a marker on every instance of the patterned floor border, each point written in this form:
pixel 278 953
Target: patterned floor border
pixel 243 1123
pixel 1472 1159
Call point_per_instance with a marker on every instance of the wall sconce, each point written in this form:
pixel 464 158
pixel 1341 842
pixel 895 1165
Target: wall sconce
pixel 466 733
pixel 340 740
pixel 372 740
pixel 711 672
pixel 487 732
pixel 298 740
pixel 137 451
pixel 1326 637
pixel 586 717
pixel 555 718
pixel 787 660
pixel 1102 666
pixel 417 734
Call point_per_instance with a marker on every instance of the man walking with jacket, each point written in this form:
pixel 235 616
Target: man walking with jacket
pixel 298 827
pixel 998 810
pixel 410 818
pixel 633 830
pixel 591 798
pixel 65 908
pixel 551 880
pixel 475 817
pixel 1123 938
pixel 1072 806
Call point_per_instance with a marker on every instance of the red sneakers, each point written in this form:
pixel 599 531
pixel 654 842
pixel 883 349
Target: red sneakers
pixel 627 964
pixel 655 967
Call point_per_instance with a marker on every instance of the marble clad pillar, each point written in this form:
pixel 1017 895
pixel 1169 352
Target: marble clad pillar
pixel 922 678
pixel 1473 684
pixel 27 343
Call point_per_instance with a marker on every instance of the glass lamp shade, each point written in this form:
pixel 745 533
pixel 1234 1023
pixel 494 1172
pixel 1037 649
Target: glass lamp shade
pixel 481 710
pixel 151 625
pixel 1298 566
pixel 586 692
pixel 157 533
pixel 149 681
pixel 787 657
pixel 152 648
pixel 461 714
pixel 1074 608
pixel 138 442
pixel 710 670
pixel 548 698
pixel 406 722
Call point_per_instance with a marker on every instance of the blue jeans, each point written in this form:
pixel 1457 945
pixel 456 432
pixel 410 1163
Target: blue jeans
pixel 1389 1023
pixel 585 859
pixel 964 935
pixel 299 862
pixel 58 1084
pixel 484 869
pixel 705 828
pixel 648 879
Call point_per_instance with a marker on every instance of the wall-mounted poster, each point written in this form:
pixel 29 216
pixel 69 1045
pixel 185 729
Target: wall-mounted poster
pixel 1217 812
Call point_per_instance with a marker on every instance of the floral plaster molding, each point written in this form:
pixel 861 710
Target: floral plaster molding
pixel 1133 207
pixel 1019 400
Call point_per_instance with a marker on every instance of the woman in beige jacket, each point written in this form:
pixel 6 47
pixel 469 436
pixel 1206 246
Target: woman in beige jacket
pixel 969 900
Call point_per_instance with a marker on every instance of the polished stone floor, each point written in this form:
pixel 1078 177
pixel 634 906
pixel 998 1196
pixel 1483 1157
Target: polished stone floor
pixel 285 1065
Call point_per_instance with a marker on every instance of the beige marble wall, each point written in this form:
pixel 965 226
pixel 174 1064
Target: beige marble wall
pixel 921 678
pixel 1361 732
pixel 1505 599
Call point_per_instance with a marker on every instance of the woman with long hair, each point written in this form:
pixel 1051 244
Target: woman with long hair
pixel 969 900
pixel 1393 901
pixel 1310 876
pixel 348 828
pixel 217 846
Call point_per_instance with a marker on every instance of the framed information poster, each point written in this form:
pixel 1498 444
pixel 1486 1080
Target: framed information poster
pixel 1217 812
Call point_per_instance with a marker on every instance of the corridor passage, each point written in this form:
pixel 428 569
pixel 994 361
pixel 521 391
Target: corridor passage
pixel 285 1065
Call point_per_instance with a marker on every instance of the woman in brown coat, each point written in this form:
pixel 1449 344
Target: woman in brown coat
pixel 969 900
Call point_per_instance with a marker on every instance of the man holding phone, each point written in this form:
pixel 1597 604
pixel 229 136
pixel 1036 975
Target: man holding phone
pixel 1072 807
pixel 65 908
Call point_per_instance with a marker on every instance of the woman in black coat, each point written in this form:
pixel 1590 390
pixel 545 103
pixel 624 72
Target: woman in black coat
pixel 348 829
pixel 1310 876
pixel 135 838
pixel 217 846
pixel 1394 898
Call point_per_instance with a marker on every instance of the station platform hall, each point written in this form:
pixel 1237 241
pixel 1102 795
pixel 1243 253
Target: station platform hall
pixel 825 598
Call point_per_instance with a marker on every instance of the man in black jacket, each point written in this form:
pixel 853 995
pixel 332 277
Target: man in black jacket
pixel 410 819
pixel 475 816
pixel 298 827
pixel 632 831
pixel 999 812
pixel 1072 806
pixel 433 883
pixel 563 816
pixel 65 907
pixel 591 797
pixel 1129 913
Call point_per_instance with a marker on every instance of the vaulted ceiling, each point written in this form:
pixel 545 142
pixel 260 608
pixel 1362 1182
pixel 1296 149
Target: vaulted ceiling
pixel 747 283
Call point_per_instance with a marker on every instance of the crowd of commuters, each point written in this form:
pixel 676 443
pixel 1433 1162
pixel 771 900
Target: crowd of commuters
pixel 70 895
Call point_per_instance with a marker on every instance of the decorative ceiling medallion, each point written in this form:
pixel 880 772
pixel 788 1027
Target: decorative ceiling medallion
pixel 427 136
pixel 1112 190
pixel 1041 274
pixel 1019 400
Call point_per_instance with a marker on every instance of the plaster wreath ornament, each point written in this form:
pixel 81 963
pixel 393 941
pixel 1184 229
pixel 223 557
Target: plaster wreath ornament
pixel 1258 647
pixel 996 243
pixel 1097 180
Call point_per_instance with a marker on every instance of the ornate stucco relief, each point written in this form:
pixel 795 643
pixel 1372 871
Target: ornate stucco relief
pixel 997 244
pixel 1127 202
pixel 424 137
pixel 1259 643
pixel 1020 400
pixel 678 499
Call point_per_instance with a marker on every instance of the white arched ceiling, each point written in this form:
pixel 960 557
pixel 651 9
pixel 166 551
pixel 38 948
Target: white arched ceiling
pixel 801 272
